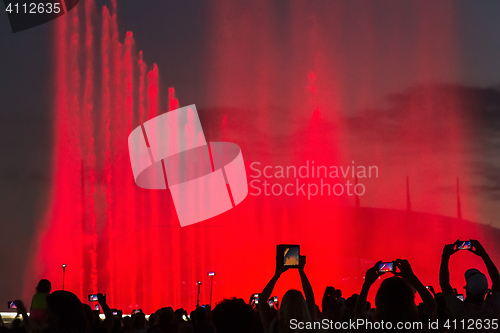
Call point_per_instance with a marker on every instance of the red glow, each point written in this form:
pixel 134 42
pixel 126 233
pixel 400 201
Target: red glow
pixel 126 241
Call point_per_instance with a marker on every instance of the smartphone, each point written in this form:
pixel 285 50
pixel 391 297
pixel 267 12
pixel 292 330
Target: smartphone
pixel 115 312
pixel 385 267
pixel 93 298
pixel 11 305
pixel 275 299
pixel 256 298
pixel 271 303
pixel 136 311
pixel 460 297
pixel 211 273
pixel 97 308
pixel 288 255
pixel 428 287
pixel 464 245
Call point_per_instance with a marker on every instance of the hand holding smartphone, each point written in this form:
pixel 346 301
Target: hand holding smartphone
pixel 385 267
pixel 464 245
pixel 95 297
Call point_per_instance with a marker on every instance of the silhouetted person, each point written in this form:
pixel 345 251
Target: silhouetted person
pixel 38 309
pixel 474 306
pixel 164 321
pixel 332 308
pixel 350 305
pixel 395 299
pixel 293 304
pixel 182 321
pixel 201 324
pixel 234 315
pixel 65 312
pixel 16 326
pixel 139 323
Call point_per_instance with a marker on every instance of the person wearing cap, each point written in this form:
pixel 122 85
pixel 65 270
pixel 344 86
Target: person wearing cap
pixel 474 306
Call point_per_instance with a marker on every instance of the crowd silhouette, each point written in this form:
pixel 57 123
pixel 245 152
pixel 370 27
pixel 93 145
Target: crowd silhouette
pixel 394 309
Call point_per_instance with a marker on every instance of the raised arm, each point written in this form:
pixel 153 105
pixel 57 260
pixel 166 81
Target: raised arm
pixel 407 273
pixel 306 286
pixel 371 276
pixel 266 314
pixel 444 272
pixel 21 310
pixel 479 250
pixel 109 320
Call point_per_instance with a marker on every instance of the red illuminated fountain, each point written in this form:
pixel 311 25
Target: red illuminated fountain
pixel 125 241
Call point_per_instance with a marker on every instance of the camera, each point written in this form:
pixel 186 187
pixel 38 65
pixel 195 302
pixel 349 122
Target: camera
pixel 97 308
pixel 464 245
pixel 288 255
pixel 93 298
pixel 385 267
pixel 136 311
pixel 11 305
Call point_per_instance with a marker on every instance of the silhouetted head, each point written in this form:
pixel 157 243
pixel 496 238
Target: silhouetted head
pixel 89 314
pixel 139 321
pixel 477 285
pixel 65 312
pixel 151 319
pixel 350 302
pixel 44 286
pixel 233 315
pixel 395 301
pixel 200 314
pixel 440 300
pixel 180 315
pixel 164 316
pixel 293 306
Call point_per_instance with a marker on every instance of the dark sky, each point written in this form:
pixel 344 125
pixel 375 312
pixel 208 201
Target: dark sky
pixel 176 35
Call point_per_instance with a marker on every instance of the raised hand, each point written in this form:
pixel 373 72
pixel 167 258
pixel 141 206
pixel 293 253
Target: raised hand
pixel 477 248
pixel 450 249
pixel 372 274
pixel 20 306
pixel 302 262
pixel 101 298
pixel 405 270
pixel 280 269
